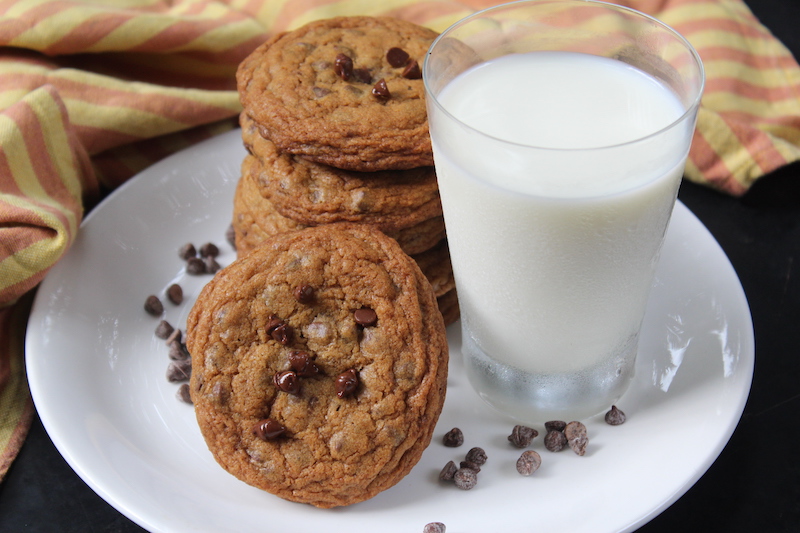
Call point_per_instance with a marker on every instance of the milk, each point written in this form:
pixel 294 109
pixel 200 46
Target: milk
pixel 556 195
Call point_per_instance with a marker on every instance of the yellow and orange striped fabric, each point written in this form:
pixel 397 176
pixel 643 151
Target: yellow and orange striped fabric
pixel 93 92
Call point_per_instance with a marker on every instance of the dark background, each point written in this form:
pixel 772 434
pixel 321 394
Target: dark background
pixel 754 486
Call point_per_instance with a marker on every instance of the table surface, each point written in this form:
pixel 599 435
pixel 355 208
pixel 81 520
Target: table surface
pixel 754 485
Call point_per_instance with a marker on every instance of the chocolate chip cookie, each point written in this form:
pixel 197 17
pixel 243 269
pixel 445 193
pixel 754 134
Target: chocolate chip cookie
pixel 319 364
pixel 345 91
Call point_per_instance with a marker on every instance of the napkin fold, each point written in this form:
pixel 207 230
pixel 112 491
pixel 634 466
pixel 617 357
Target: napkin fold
pixel 92 93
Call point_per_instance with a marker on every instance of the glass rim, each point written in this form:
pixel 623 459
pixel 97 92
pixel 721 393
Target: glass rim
pixel 688 112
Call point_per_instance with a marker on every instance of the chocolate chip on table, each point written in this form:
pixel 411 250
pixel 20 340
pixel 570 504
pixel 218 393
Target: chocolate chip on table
pixel 212 267
pixel 209 249
pixel 343 66
pixel 558 425
pixel 381 91
pixel 412 71
pixel 453 438
pixel 302 364
pixel 178 371
pixel 521 436
pixel 472 466
pixel 268 429
pixel 577 438
pixel 434 527
pixel 164 330
pixel 365 317
pixel 287 381
pixel 476 455
pixel 178 351
pixel 195 266
pixel 153 305
pixel 175 294
pixel 555 441
pixel 176 335
pixel 183 393
pixel 615 416
pixel 397 57
pixel 448 471
pixel 346 383
pixel 186 251
pixel 465 478
pixel 529 462
pixel 304 293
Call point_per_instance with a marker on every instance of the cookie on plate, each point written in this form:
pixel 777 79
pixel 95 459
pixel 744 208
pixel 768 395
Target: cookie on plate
pixel 319 364
pixel 344 91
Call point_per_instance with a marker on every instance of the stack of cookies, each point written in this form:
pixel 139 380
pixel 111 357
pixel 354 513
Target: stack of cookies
pixel 335 125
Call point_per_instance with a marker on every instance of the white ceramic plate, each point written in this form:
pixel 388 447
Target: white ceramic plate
pixel 97 374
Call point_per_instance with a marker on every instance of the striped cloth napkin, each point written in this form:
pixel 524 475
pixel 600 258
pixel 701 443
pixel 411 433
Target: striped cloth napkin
pixel 93 92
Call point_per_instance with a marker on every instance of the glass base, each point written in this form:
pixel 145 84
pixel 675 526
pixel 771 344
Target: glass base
pixel 532 398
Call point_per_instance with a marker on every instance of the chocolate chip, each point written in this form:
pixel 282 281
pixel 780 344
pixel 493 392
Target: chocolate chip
pixel 283 334
pixel 465 478
pixel 412 71
pixel 557 425
pixel 397 57
pixel 287 381
pixel 268 429
pixel 472 466
pixel 186 251
pixel 164 330
pixel 178 351
pixel 381 91
pixel 319 92
pixel 529 462
pixel 453 438
pixel 476 455
pixel 434 527
pixel 195 266
pixel 346 383
pixel 521 436
pixel 555 441
pixel 448 471
pixel 183 393
pixel 176 335
pixel 615 417
pixel 365 317
pixel 343 66
pixel 209 249
pixel 230 236
pixel 212 267
pixel 302 364
pixel 362 75
pixel 575 432
pixel 153 305
pixel 175 294
pixel 179 371
pixel 304 294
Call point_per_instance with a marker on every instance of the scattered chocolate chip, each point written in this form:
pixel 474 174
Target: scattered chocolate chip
pixel 287 381
pixel 343 66
pixel 195 266
pixel 557 425
pixel 472 466
pixel 304 294
pixel 175 294
pixel 412 71
pixel 434 527
pixel 178 351
pixel 555 441
pixel 397 57
pixel 453 438
pixel 268 429
pixel 178 371
pixel 529 462
pixel 615 417
pixel 362 75
pixel 186 251
pixel 575 432
pixel 381 91
pixel 365 317
pixel 476 455
pixel 212 267
pixel 176 335
pixel 346 383
pixel 183 393
pixel 153 305
pixel 465 478
pixel 448 471
pixel 164 330
pixel 521 436
pixel 302 364
pixel 209 249
pixel 230 236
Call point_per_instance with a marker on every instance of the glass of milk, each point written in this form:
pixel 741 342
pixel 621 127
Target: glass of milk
pixel 560 134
